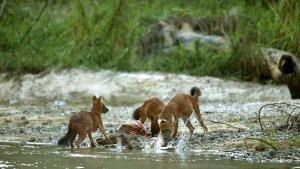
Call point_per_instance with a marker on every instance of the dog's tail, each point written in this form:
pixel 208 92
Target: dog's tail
pixel 64 141
pixel 195 91
pixel 136 114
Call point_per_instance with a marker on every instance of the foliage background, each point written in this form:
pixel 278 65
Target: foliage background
pixel 36 35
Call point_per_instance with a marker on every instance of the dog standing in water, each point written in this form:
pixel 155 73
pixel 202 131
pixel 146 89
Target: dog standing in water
pixel 151 109
pixel 84 123
pixel 181 106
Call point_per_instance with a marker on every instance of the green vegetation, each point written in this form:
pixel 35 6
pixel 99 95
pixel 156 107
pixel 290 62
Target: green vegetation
pixel 104 34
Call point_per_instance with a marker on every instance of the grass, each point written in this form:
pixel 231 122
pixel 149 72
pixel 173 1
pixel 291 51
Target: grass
pixel 105 35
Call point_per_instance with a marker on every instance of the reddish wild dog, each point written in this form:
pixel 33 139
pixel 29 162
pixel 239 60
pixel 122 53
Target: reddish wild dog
pixel 84 123
pixel 151 109
pixel 180 106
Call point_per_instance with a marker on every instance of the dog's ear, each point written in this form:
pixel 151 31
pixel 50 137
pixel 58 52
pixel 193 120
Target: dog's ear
pixel 100 99
pixel 94 98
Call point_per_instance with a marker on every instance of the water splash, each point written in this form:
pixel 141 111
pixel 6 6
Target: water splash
pixel 181 142
pixel 180 146
pixel 153 145
pixel 147 147
pixel 173 145
pixel 119 147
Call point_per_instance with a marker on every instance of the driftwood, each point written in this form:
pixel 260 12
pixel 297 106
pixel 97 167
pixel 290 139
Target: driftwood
pixel 292 118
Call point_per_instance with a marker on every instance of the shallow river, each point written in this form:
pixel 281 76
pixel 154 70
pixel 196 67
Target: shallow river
pixel 14 155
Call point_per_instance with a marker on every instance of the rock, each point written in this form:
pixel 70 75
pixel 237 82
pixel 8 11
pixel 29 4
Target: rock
pixel 32 139
pixel 222 156
pixel 26 111
pixel 21 130
pixel 24 123
pixel 282 67
pixel 46 123
pixel 269 65
pixel 212 137
pixel 260 147
pixel 272 153
pixel 183 31
pixel 113 140
pixel 2 131
pixel 7 121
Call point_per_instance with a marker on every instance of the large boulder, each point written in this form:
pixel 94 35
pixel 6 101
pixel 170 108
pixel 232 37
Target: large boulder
pixel 183 31
pixel 282 67
pixel 268 67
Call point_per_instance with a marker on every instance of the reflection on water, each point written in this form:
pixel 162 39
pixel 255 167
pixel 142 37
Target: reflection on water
pixel 15 155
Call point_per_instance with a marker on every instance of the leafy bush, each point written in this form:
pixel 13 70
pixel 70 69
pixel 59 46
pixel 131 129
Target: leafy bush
pixel 36 35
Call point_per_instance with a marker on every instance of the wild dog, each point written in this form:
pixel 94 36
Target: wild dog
pixel 84 123
pixel 151 109
pixel 180 106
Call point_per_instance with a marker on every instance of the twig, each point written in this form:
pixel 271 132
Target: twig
pixel 35 21
pixel 2 7
pixel 262 126
pixel 218 122
pixel 288 123
pixel 263 141
pixel 259 115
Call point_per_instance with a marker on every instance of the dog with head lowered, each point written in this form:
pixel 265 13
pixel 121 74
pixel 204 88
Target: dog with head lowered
pixel 151 109
pixel 181 106
pixel 84 123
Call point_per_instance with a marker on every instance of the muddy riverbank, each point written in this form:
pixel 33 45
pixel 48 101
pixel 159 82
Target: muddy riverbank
pixel 36 108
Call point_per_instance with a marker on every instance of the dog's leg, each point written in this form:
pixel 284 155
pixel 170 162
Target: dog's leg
pixel 143 119
pixel 91 139
pixel 188 123
pixel 82 135
pixel 175 127
pixel 72 138
pixel 102 130
pixel 198 115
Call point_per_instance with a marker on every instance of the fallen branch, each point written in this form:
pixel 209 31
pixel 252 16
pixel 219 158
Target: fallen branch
pixel 262 141
pixel 275 105
pixel 218 122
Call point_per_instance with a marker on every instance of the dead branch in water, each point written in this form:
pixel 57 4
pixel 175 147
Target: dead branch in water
pixel 262 141
pixel 218 122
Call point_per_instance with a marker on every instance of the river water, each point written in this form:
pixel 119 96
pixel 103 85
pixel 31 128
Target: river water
pixel 15 155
